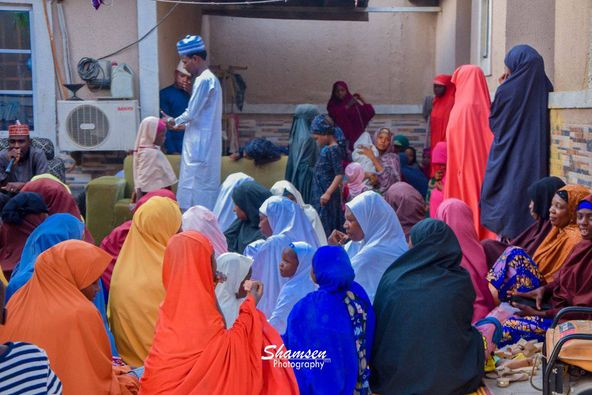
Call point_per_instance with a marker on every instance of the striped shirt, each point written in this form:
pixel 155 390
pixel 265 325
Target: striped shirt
pixel 24 369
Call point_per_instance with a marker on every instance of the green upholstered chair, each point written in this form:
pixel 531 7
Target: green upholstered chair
pixel 108 198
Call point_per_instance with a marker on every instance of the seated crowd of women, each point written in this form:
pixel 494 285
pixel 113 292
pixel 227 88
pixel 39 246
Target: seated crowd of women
pixel 193 313
pixel 287 290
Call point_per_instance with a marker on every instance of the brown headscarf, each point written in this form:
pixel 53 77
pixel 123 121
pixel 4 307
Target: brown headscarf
pixel 58 200
pixel 555 249
pixel 572 285
pixel 407 203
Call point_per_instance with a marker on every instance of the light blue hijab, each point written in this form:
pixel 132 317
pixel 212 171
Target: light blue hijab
pixel 55 229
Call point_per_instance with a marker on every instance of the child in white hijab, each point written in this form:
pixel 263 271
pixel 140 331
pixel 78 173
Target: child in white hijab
pixel 230 293
pixel 283 222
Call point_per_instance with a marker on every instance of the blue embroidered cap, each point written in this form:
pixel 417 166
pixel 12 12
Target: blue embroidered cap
pixel 190 45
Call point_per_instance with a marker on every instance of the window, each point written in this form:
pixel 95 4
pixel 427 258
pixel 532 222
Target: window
pixel 16 67
pixel 485 9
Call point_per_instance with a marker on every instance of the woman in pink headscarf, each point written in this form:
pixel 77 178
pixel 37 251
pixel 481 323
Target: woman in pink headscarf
pixel 350 112
pixel 355 180
pixel 435 194
pixel 202 220
pixel 459 217
pixel 151 168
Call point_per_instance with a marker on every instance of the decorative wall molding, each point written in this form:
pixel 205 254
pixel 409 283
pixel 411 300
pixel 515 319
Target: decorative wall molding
pixel 571 99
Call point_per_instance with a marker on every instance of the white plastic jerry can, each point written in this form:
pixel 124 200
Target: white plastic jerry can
pixel 122 82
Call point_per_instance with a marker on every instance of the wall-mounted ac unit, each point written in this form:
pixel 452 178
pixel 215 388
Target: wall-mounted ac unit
pixel 105 125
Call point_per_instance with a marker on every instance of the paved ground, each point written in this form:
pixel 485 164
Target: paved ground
pixel 521 388
pixel 581 386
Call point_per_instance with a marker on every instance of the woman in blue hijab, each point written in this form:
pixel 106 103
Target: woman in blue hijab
pixel 519 121
pixel 55 229
pixel 425 343
pixel 413 175
pixel 337 319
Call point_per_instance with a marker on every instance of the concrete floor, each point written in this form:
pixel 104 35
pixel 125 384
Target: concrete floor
pixel 521 388
pixel 581 386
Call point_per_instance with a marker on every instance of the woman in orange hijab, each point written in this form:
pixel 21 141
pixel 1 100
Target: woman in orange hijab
pixel 54 311
pixel 192 351
pixel 468 138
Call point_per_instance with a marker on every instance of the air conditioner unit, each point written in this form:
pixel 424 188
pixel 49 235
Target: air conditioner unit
pixel 89 125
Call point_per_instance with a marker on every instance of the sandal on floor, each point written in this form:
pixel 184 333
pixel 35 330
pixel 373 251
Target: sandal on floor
pixel 515 364
pixel 505 381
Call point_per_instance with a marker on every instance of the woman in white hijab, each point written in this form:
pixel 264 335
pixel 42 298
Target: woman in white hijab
pixel 204 221
pixel 287 189
pixel 230 293
pixel 150 167
pixel 375 238
pixel 296 265
pixel 283 222
pixel 224 208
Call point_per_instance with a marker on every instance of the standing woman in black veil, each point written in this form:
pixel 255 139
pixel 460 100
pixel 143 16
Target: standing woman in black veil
pixel 519 154
pixel 303 151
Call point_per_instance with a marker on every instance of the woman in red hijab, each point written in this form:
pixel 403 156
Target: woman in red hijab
pixel 444 91
pixel 350 112
pixel 192 351
pixel 468 139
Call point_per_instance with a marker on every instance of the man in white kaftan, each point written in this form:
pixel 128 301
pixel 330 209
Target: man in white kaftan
pixel 199 176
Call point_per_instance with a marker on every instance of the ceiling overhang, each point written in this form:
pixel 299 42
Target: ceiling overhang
pixel 324 10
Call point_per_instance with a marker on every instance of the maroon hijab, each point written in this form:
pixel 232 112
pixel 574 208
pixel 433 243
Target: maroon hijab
pixel 114 241
pixel 58 200
pixel 352 120
pixel 573 285
pixel 20 216
pixel 407 203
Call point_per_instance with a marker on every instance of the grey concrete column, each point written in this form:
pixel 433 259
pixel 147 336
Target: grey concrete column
pixel 148 58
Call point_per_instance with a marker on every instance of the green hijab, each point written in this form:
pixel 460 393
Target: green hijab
pixel 248 196
pixel 401 141
pixel 424 342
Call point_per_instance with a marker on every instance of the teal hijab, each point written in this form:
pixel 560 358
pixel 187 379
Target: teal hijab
pixel 248 196
pixel 424 340
pixel 303 151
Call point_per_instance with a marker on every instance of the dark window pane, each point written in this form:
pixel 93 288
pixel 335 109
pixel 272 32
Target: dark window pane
pixel 15 32
pixel 15 72
pixel 13 107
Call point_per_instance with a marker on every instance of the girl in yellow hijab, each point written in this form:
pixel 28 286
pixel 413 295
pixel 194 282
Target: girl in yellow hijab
pixel 136 285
